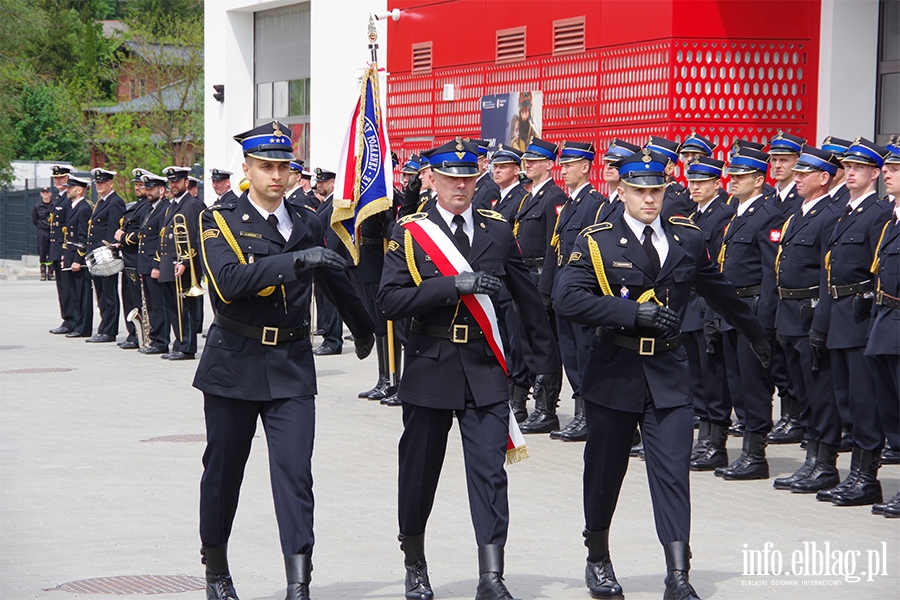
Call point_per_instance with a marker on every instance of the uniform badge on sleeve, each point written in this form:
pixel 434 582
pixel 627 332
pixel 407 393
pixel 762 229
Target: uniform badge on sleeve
pixel 574 256
pixel 393 246
pixel 774 235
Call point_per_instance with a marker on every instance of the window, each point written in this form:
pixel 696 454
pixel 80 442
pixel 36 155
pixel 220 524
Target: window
pixel 887 100
pixel 510 45
pixel 568 36
pixel 421 58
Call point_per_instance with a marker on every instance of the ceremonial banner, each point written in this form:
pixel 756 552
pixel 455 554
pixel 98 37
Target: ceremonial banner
pixel 364 180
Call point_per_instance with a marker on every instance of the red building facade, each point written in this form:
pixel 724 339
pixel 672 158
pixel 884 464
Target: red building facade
pixel 607 68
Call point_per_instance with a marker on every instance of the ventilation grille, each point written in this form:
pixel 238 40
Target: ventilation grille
pixel 421 58
pixel 510 45
pixel 568 36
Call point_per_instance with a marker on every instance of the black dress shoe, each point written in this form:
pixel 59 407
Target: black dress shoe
pixel 601 579
pixel 127 345
pixel 153 350
pixel 892 511
pixel 180 356
pixel 325 350
pixel 101 338
pixel 417 585
pixel 878 507
pixel 60 330
pixel 890 457
pixel 220 587
pixel 75 334
pixel 392 400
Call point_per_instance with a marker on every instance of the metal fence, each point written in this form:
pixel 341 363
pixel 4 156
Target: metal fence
pixel 17 233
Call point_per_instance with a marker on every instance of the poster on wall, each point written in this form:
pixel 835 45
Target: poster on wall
pixel 511 119
pixel 300 140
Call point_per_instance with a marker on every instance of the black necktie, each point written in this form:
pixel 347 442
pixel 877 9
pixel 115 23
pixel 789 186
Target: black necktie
pixel 273 221
pixel 650 249
pixel 462 240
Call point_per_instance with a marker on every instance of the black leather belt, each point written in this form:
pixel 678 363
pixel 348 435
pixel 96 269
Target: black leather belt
pixel 645 346
pixel 840 291
pixel 534 262
pixel 458 334
pixel 269 336
pixel 748 292
pixel 364 241
pixel 887 300
pixel 798 293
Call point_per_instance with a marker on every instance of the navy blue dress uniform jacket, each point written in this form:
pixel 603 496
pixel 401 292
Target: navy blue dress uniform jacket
pixel 676 201
pixel 533 223
pixel 712 223
pixel 131 225
pixel 191 208
pixel 487 192
pixel 617 378
pixel 435 301
pixel 57 219
pixel 265 291
pixel 148 239
pixel 509 205
pixel 74 248
pixel 576 214
pixel 789 205
pixel 884 331
pixel 105 219
pixel 800 258
pixel 750 246
pixel 851 249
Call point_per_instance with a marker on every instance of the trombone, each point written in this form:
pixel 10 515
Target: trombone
pixel 184 252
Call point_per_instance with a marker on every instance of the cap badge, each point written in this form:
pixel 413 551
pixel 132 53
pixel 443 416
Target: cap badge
pixel 276 129
pixel 646 158
pixel 460 147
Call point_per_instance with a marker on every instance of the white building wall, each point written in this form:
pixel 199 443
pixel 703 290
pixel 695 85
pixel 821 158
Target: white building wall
pixel 848 62
pixel 339 52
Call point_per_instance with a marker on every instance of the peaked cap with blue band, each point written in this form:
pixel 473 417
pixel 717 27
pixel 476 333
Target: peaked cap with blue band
pixel 505 155
pixel 619 149
pixel 704 169
pixel 483 146
pixel 748 160
pixel 738 144
pixel 814 159
pixel 411 166
pixel 662 146
pixel 572 151
pixel 644 169
pixel 538 149
pixel 697 144
pixel 271 141
pixel 836 145
pixel 865 152
pixel 297 165
pixel 893 148
pixel 456 158
pixel 785 143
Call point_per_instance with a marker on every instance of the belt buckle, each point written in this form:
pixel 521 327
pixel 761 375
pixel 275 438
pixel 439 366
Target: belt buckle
pixel 269 336
pixel 834 292
pixel 460 334
pixel 647 346
pixel 879 297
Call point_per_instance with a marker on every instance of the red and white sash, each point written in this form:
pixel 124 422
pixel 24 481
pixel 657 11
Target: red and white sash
pixel 450 262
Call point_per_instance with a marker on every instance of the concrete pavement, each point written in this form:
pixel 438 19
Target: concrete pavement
pixel 87 492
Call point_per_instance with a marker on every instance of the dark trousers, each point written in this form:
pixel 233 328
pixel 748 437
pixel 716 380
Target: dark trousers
pixel 156 310
pixel 107 290
pixel 513 335
pixel 184 340
pixel 230 426
pixel 131 299
pixel 784 382
pixel 854 384
pixel 484 432
pixel 715 386
pixel 886 369
pixel 328 319
pixel 64 293
pixel 43 245
pixel 574 344
pixel 668 435
pixel 82 295
pixel 695 346
pixel 815 390
pixel 367 291
pixel 749 382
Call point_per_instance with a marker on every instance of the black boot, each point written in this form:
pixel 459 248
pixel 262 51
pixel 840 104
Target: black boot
pixel 490 574
pixel 846 437
pixel 43 272
pixel 579 410
pixel 699 448
pixel 543 419
pixel 754 465
pixel 598 573
pixel 218 579
pixel 298 568
pixel 51 274
pixel 678 563
pixel 824 475
pixel 866 489
pixel 384 378
pixel 785 417
pixel 417 585
pixel 576 431
pixel 812 450
pixel 827 495
pixel 715 455
pixel 518 397
pixel 392 398
pixel 878 507
pixel 637 443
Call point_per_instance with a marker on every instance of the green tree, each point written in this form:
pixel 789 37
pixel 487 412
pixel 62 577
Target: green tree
pixel 47 125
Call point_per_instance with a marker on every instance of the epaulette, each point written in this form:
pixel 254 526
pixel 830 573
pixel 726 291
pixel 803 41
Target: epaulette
pixel 413 217
pixel 597 194
pixel 684 221
pixel 491 214
pixel 596 227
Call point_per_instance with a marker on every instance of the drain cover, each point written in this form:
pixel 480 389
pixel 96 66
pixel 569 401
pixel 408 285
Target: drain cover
pixel 134 584
pixel 38 370
pixel 188 437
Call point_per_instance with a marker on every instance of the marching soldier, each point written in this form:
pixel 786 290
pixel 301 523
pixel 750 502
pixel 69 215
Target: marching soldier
pixel 447 291
pixel 505 165
pixel 221 184
pixel 677 201
pixel 40 215
pixel 72 263
pixel 798 272
pixel 839 192
pixel 148 262
pixel 295 193
pixel 176 268
pixel 784 152
pixel 102 226
pixel 631 278
pixel 127 239
pixel 617 150
pixel 846 306
pixel 57 238
pixel 487 192
pixel 260 254
pixel 747 259
pixel 767 189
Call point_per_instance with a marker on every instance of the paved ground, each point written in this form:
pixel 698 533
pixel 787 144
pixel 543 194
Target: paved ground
pixel 84 494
